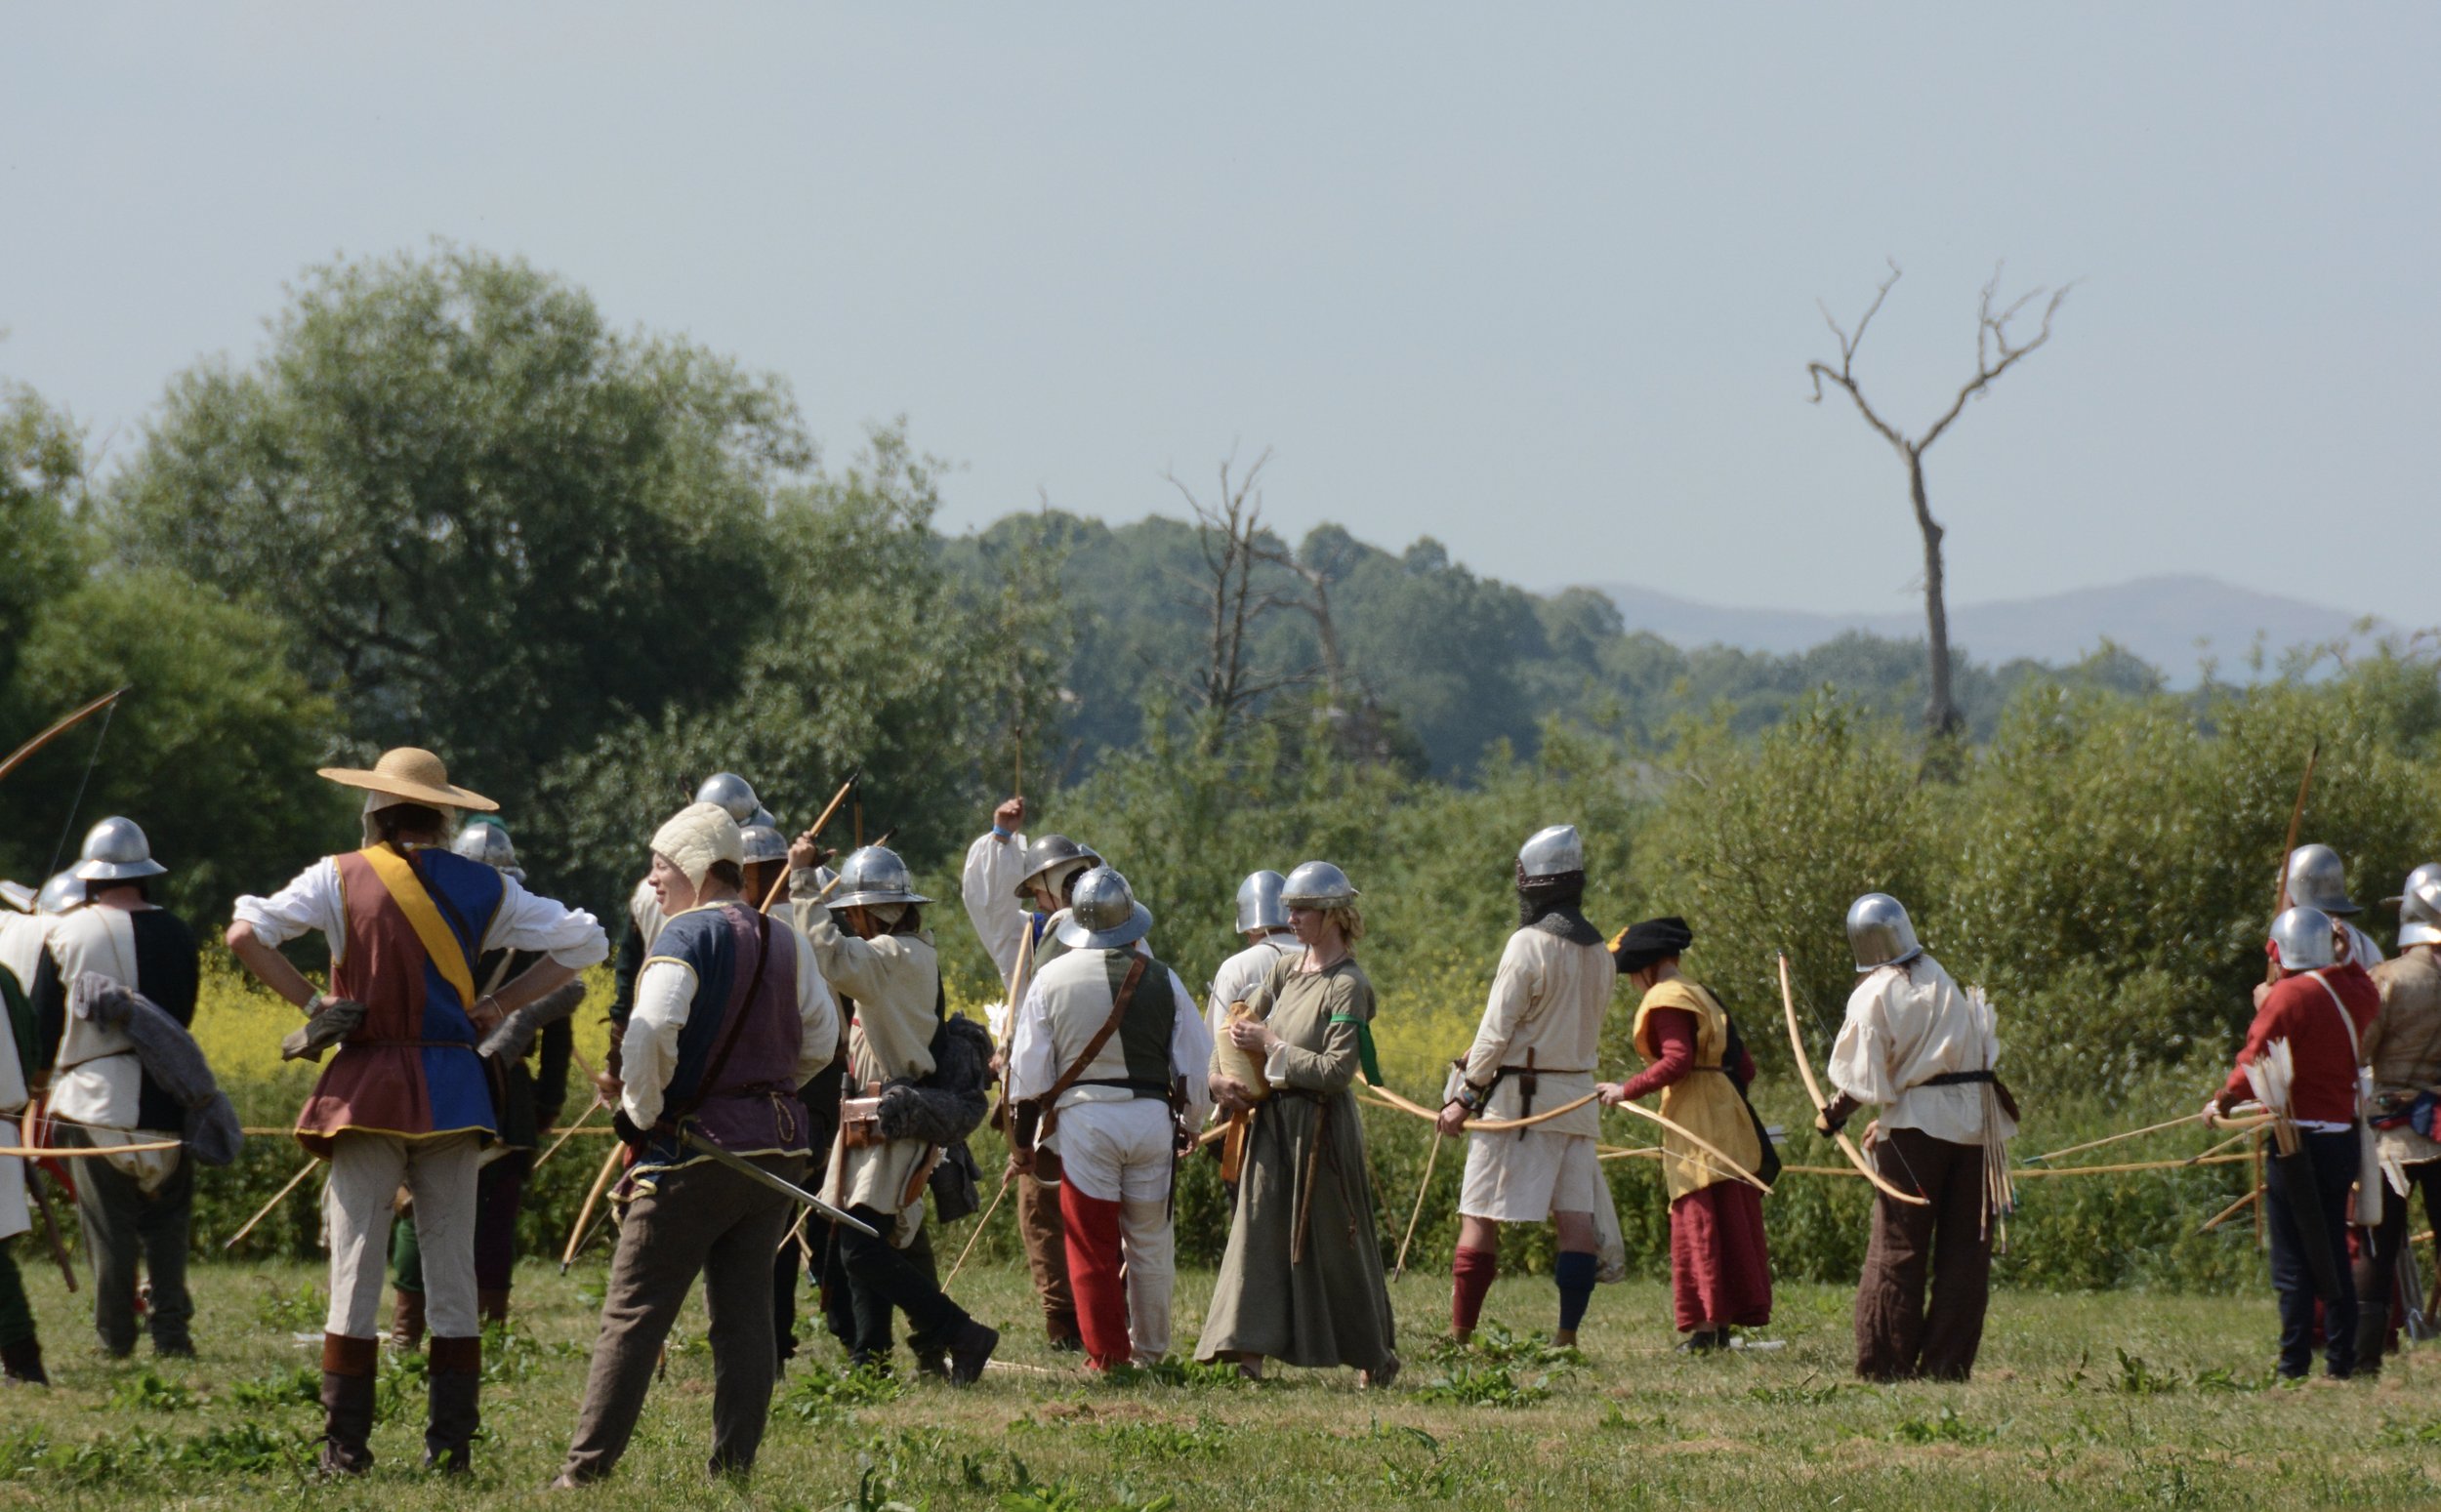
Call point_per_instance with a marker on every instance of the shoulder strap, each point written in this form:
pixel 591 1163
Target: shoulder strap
pixel 730 1030
pixel 2356 1046
pixel 1119 1004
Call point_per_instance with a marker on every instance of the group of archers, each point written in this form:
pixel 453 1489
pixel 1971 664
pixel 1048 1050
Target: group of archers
pixel 776 1018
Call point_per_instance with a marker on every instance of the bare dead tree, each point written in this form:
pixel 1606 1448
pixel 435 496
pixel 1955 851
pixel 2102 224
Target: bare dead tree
pixel 1229 536
pixel 1996 352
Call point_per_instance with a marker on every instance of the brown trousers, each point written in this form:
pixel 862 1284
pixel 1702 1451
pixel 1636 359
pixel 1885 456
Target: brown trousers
pixel 1047 1253
pixel 700 1218
pixel 1897 1336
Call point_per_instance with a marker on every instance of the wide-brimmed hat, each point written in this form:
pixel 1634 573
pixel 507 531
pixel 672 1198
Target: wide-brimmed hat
pixel 413 774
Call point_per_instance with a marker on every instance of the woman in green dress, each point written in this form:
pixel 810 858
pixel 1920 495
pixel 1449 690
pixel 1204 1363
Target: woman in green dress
pixel 1301 1282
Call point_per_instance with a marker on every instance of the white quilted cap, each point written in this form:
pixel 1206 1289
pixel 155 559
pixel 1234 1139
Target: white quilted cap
pixel 697 835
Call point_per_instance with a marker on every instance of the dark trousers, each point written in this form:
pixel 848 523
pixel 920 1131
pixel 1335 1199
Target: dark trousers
pixel 700 1218
pixel 1897 1335
pixel 17 1314
pixel 2378 1265
pixel 2286 1210
pixel 499 1192
pixel 122 1225
pixel 874 1277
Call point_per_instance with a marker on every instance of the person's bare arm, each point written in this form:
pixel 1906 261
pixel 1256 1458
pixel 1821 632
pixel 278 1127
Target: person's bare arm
pixel 270 968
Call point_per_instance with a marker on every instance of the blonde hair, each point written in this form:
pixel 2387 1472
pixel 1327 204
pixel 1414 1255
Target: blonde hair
pixel 1350 919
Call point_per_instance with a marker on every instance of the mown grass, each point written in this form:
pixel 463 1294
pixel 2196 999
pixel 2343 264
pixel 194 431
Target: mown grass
pixel 2092 1400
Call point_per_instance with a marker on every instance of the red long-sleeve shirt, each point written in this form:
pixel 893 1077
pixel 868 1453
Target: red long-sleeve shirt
pixel 1673 1030
pixel 2297 1009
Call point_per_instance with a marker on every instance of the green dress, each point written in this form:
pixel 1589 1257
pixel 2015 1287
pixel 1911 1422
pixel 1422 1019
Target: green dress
pixel 1332 1307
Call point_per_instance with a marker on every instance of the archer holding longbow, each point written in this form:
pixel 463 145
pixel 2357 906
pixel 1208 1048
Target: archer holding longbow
pixel 1923 1049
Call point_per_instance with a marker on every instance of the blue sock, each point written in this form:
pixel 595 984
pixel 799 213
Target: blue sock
pixel 1575 1275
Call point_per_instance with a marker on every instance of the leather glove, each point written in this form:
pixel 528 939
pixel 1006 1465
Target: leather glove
pixel 515 1035
pixel 333 1019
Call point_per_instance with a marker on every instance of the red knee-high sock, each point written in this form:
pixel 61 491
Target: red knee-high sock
pixel 1471 1277
pixel 1102 1298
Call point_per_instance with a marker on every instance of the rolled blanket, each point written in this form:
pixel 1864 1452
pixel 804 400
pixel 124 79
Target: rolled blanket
pixel 170 1057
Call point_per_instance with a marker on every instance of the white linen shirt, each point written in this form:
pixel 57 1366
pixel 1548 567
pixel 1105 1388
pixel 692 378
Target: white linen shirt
pixel 1034 1060
pixel 665 997
pixel 523 921
pixel 1907 1024
pixel 989 887
pixel 1241 974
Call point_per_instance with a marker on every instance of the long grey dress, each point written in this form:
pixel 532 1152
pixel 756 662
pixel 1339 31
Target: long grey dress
pixel 1333 1307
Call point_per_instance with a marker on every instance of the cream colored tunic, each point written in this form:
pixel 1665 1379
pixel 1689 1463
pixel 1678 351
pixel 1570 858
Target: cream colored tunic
pixel 2404 1048
pixel 893 982
pixel 1906 1025
pixel 1546 1001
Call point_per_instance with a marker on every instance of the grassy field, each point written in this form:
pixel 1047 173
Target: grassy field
pixel 2119 1400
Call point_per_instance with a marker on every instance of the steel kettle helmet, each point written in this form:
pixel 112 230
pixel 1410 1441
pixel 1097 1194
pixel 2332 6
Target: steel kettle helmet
pixel 2419 908
pixel 1881 933
pixel 1259 904
pixel 64 894
pixel 764 843
pixel 1104 913
pixel 487 840
pixel 733 793
pixel 1555 851
pixel 116 851
pixel 1048 853
pixel 1318 885
pixel 2319 879
pixel 874 875
pixel 2303 939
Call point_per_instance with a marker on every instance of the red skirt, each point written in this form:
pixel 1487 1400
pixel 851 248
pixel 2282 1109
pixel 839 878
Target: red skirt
pixel 1719 1270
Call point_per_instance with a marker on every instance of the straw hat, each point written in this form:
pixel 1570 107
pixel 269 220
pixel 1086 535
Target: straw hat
pixel 414 775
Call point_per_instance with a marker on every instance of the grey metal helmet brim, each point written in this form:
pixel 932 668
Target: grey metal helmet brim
pixel 874 875
pixel 1879 933
pixel 2318 879
pixel 2304 939
pixel 1318 885
pixel 17 896
pixel 1259 905
pixel 115 850
pixel 733 793
pixel 1076 936
pixel 1554 851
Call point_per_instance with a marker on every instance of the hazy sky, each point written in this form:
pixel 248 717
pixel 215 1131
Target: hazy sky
pixel 1539 281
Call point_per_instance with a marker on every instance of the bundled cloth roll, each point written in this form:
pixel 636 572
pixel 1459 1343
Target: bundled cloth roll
pixel 1241 1065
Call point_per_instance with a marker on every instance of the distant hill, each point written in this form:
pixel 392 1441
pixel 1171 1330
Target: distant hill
pixel 2172 622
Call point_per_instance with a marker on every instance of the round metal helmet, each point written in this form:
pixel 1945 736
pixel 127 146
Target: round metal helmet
pixel 116 851
pixel 1104 913
pixel 486 840
pixel 1880 932
pixel 2304 939
pixel 764 842
pixel 1259 902
pixel 2319 879
pixel 733 793
pixel 1047 853
pixel 1551 852
pixel 62 894
pixel 2429 872
pixel 762 817
pixel 874 875
pixel 1318 885
pixel 2420 909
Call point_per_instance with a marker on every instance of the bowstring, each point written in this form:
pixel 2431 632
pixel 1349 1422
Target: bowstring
pixel 91 761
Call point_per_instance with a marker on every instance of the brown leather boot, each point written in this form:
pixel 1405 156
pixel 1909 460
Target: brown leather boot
pixel 494 1305
pixel 406 1320
pixel 456 1398
pixel 348 1365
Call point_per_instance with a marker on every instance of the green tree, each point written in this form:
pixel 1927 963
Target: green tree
pixel 499 528
pixel 42 491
